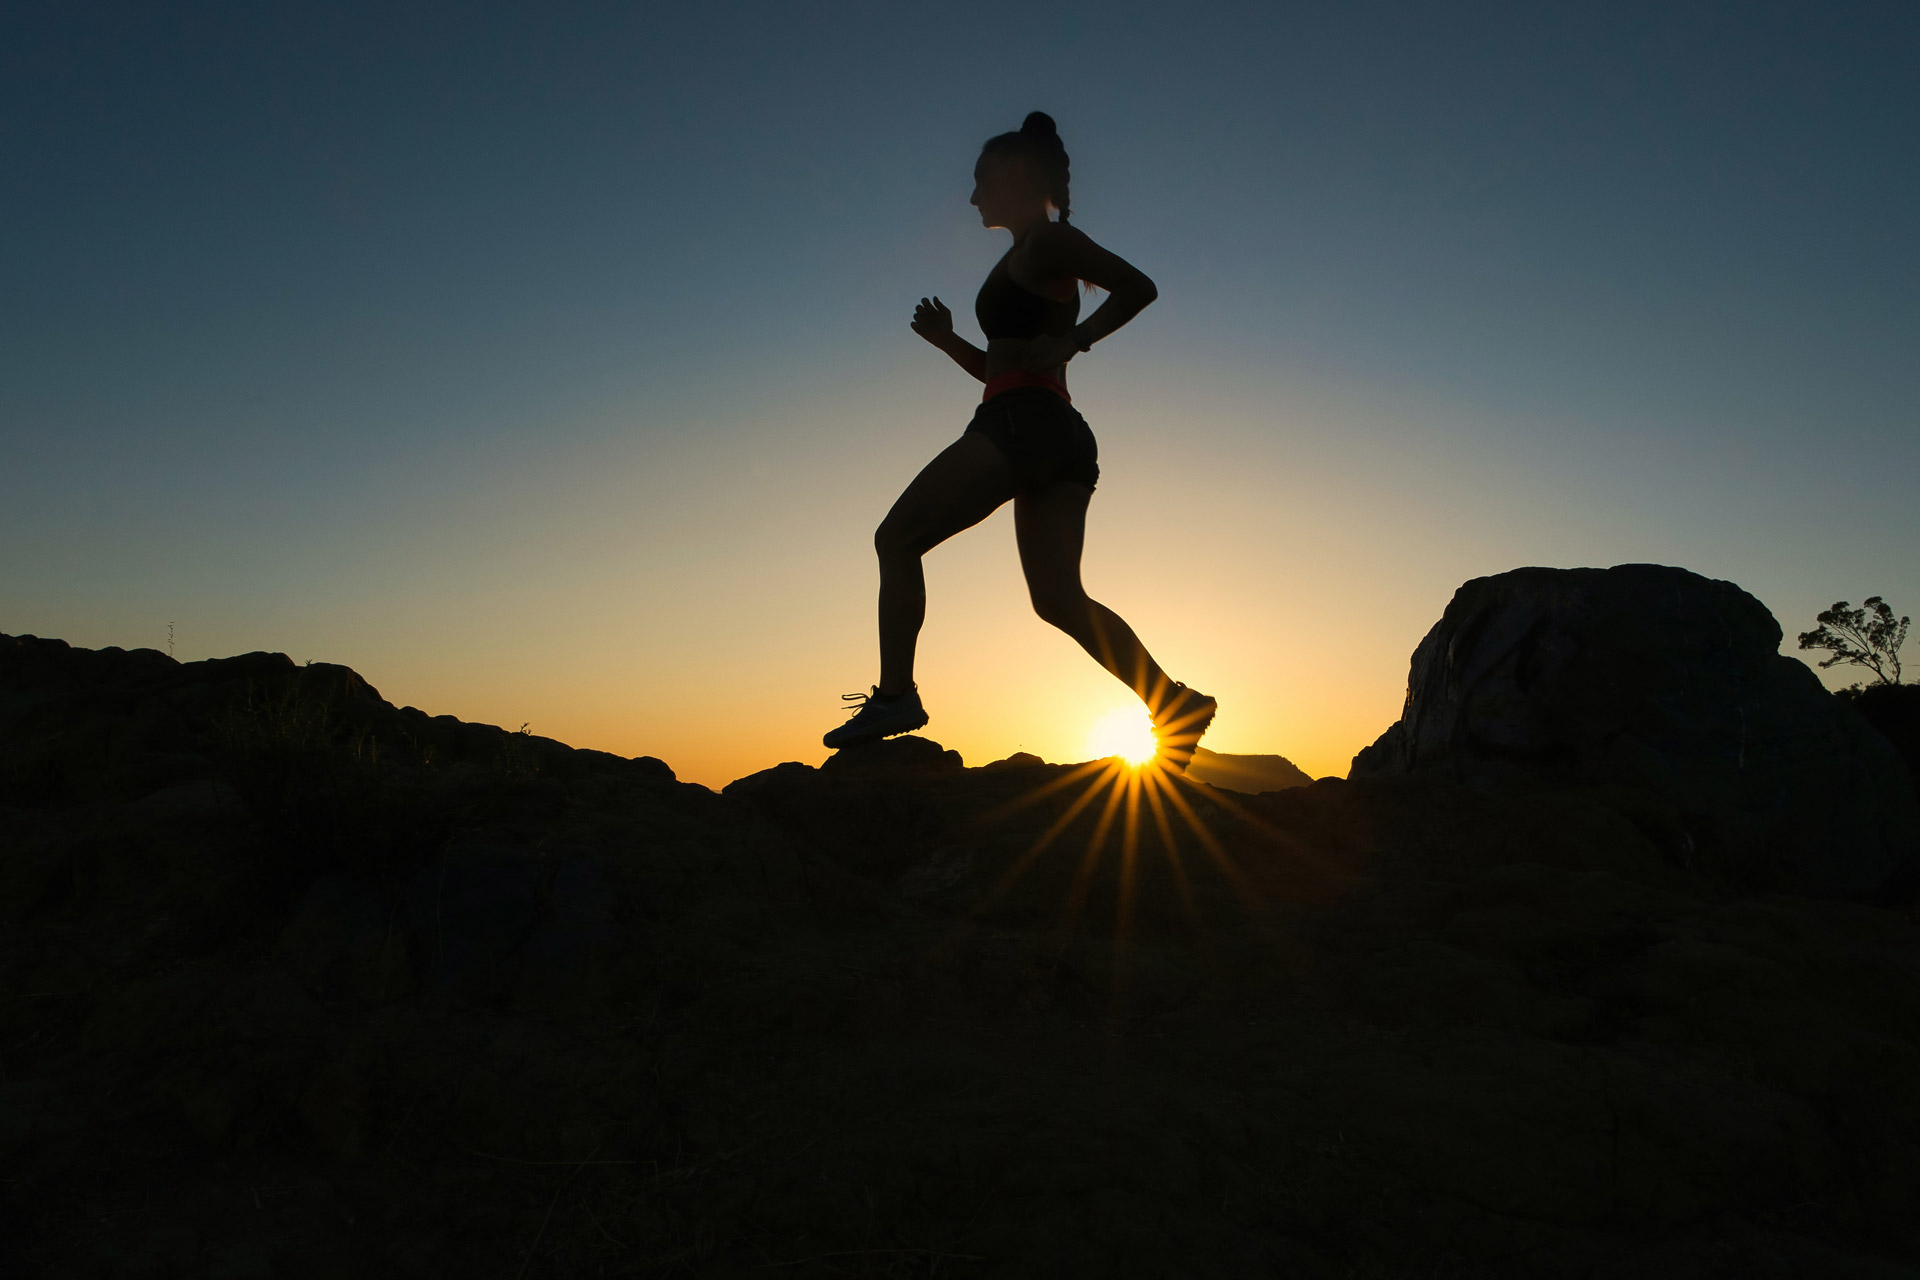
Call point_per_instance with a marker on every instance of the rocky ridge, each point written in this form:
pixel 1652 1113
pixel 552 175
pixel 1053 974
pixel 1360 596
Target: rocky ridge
pixel 296 983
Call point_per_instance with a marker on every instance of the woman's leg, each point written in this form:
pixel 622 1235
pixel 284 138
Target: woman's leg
pixel 1051 526
pixel 961 487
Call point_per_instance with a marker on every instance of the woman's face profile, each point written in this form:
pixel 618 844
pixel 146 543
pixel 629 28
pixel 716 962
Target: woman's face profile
pixel 1002 188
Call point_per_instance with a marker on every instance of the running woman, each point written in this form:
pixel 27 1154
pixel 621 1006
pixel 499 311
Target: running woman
pixel 1026 444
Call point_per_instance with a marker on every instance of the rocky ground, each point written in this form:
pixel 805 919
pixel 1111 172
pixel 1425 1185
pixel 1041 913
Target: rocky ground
pixel 296 983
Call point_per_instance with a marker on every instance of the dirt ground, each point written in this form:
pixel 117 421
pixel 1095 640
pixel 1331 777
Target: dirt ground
pixel 297 983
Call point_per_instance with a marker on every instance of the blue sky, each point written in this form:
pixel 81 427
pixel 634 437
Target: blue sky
pixel 550 362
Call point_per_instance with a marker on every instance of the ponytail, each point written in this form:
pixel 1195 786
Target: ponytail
pixel 1038 140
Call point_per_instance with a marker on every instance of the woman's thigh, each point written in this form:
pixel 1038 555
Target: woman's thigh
pixel 963 485
pixel 1050 525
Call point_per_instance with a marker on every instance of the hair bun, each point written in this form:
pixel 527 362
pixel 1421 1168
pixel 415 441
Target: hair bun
pixel 1041 123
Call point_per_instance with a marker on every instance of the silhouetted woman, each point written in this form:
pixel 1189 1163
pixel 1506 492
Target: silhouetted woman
pixel 1026 443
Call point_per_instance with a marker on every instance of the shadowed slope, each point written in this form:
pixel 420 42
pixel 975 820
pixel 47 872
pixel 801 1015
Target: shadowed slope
pixel 297 983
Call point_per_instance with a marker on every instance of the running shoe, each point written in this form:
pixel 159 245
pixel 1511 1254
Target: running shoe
pixel 1182 718
pixel 876 717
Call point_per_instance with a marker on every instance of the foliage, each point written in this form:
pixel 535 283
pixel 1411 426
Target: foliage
pixel 1868 637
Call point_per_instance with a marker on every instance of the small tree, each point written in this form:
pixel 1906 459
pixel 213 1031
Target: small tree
pixel 1867 636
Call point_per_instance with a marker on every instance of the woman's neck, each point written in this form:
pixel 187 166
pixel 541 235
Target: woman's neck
pixel 1021 228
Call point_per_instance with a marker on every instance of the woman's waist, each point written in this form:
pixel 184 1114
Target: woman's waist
pixel 1006 380
pixel 1009 353
pixel 1007 369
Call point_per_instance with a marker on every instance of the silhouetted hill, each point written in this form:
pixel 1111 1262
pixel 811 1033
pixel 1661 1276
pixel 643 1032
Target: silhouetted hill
pixel 297 983
pixel 1251 774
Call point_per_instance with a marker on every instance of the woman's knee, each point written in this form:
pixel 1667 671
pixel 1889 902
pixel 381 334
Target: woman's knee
pixel 893 540
pixel 1065 607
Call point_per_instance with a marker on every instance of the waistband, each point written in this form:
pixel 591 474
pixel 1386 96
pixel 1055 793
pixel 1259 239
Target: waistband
pixel 1016 379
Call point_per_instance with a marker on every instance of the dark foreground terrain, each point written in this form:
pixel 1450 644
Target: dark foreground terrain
pixel 295 983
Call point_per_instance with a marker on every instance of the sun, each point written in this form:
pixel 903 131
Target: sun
pixel 1125 732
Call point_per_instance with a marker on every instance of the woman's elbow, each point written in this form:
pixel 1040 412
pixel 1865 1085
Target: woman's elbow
pixel 1145 290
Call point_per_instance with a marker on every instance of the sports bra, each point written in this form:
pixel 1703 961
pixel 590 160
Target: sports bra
pixel 1006 310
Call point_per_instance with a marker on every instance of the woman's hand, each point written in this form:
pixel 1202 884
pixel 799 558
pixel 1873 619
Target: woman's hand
pixel 932 321
pixel 1048 352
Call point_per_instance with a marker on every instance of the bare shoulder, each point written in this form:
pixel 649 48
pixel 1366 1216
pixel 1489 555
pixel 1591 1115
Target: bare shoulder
pixel 1058 250
pixel 1061 238
pixel 1068 251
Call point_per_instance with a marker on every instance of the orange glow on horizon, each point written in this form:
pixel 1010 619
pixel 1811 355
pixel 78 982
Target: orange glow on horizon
pixel 1125 732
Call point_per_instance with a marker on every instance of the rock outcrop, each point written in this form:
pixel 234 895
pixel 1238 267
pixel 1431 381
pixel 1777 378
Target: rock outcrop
pixel 1670 687
pixel 297 983
pixel 1251 774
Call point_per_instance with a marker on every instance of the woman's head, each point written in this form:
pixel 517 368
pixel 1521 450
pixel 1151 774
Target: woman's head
pixel 1023 167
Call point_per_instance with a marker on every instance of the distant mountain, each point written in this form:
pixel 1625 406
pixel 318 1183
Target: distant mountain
pixel 1251 774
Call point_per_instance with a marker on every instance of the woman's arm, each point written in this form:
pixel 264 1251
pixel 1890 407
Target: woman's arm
pixel 932 321
pixel 1070 252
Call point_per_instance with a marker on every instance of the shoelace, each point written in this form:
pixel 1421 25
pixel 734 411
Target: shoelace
pixel 861 701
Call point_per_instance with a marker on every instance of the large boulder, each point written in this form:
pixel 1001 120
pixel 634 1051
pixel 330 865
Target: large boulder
pixel 1672 688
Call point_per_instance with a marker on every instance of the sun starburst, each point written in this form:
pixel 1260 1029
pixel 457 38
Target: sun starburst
pixel 1124 732
pixel 1158 846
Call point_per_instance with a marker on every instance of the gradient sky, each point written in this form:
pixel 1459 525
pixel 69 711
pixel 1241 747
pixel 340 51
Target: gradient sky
pixel 550 363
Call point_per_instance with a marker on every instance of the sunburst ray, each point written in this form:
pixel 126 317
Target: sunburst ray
pixel 1239 879
pixel 1290 844
pixel 1096 845
pixel 1155 780
pixel 1103 768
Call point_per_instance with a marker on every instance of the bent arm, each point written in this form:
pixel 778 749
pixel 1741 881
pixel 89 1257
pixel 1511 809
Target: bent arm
pixel 1111 314
pixel 1068 251
pixel 965 354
